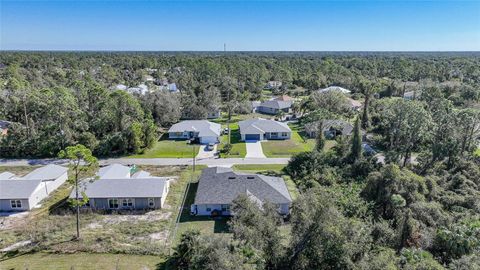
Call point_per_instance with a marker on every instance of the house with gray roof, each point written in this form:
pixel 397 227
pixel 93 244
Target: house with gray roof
pixel 218 187
pixel 274 106
pixel 331 128
pixel 260 129
pixel 335 88
pixel 25 193
pixel 203 130
pixel 115 189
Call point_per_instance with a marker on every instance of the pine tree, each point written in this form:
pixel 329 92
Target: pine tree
pixel 320 137
pixel 356 150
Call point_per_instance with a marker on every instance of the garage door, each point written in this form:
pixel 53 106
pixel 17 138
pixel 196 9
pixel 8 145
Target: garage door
pixel 252 137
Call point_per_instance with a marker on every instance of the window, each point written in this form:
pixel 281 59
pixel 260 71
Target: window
pixel 274 134
pixel 113 203
pixel 209 209
pixel 151 202
pixel 126 203
pixel 225 208
pixel 16 203
pixel 284 134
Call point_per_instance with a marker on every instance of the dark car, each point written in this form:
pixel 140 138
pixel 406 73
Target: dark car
pixel 210 147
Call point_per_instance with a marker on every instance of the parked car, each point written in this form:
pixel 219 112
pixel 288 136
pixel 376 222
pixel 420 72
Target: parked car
pixel 225 131
pixel 368 150
pixel 210 147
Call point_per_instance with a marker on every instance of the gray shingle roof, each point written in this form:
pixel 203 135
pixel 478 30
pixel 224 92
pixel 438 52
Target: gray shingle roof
pixel 345 127
pixel 48 172
pixel 218 185
pixel 260 125
pixel 335 88
pixel 17 189
pixel 123 188
pixel 6 175
pixel 276 104
pixel 203 127
pixel 114 171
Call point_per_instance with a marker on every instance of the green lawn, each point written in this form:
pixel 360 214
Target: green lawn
pixel 78 261
pixel 169 149
pixel 239 149
pixel 299 142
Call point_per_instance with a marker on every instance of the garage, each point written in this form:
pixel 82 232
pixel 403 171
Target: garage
pixel 252 137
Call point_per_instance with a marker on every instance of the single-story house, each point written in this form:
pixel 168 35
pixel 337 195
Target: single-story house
pixel 331 128
pixel 255 105
pixel 219 186
pixel 274 106
pixel 137 192
pixel 335 88
pixel 114 171
pixel 273 84
pixel 25 193
pixel 203 130
pixel 410 95
pixel 263 129
pixel 4 127
pixel 214 114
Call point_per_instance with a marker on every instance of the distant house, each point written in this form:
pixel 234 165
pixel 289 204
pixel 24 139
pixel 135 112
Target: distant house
pixel 218 187
pixel 274 107
pixel 148 78
pixel 273 84
pixel 25 193
pixel 255 105
pixel 4 125
pixel 121 87
pixel 285 98
pixel 214 114
pixel 203 130
pixel 262 129
pixel 331 128
pixel 335 88
pixel 116 189
pixel 410 95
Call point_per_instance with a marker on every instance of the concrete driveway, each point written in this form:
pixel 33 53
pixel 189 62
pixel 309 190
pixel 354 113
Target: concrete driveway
pixel 254 149
pixel 203 153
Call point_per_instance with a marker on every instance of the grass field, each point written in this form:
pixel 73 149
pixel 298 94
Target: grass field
pixel 239 149
pixel 80 261
pixel 299 142
pixel 169 149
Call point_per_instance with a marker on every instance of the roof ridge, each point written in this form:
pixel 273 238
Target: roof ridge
pixel 276 190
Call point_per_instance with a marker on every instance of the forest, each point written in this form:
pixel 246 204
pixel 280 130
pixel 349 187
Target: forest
pixel 57 99
pixel 418 209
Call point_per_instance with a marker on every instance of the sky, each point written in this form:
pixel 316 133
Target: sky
pixel 359 25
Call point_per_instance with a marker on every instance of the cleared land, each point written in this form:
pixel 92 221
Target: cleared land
pixel 169 149
pixel 52 227
pixel 80 261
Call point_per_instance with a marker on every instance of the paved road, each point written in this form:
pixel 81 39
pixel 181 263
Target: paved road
pixel 153 161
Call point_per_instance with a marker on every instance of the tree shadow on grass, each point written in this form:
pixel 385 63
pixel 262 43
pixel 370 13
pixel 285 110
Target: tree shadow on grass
pixel 220 223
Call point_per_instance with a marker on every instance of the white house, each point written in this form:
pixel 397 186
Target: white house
pixel 219 186
pixel 335 88
pixel 203 130
pixel 25 193
pixel 263 129
pixel 117 189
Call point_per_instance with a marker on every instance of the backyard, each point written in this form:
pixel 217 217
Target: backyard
pixel 52 227
pixel 299 142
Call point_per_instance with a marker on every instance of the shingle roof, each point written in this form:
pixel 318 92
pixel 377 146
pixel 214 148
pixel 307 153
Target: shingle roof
pixel 219 185
pixel 203 127
pixel 4 124
pixel 335 88
pixel 346 127
pixel 17 189
pixel 6 175
pixel 121 188
pixel 48 172
pixel 276 104
pixel 114 171
pixel 260 125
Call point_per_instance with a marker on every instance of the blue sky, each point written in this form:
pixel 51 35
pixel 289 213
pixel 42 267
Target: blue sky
pixel 243 25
